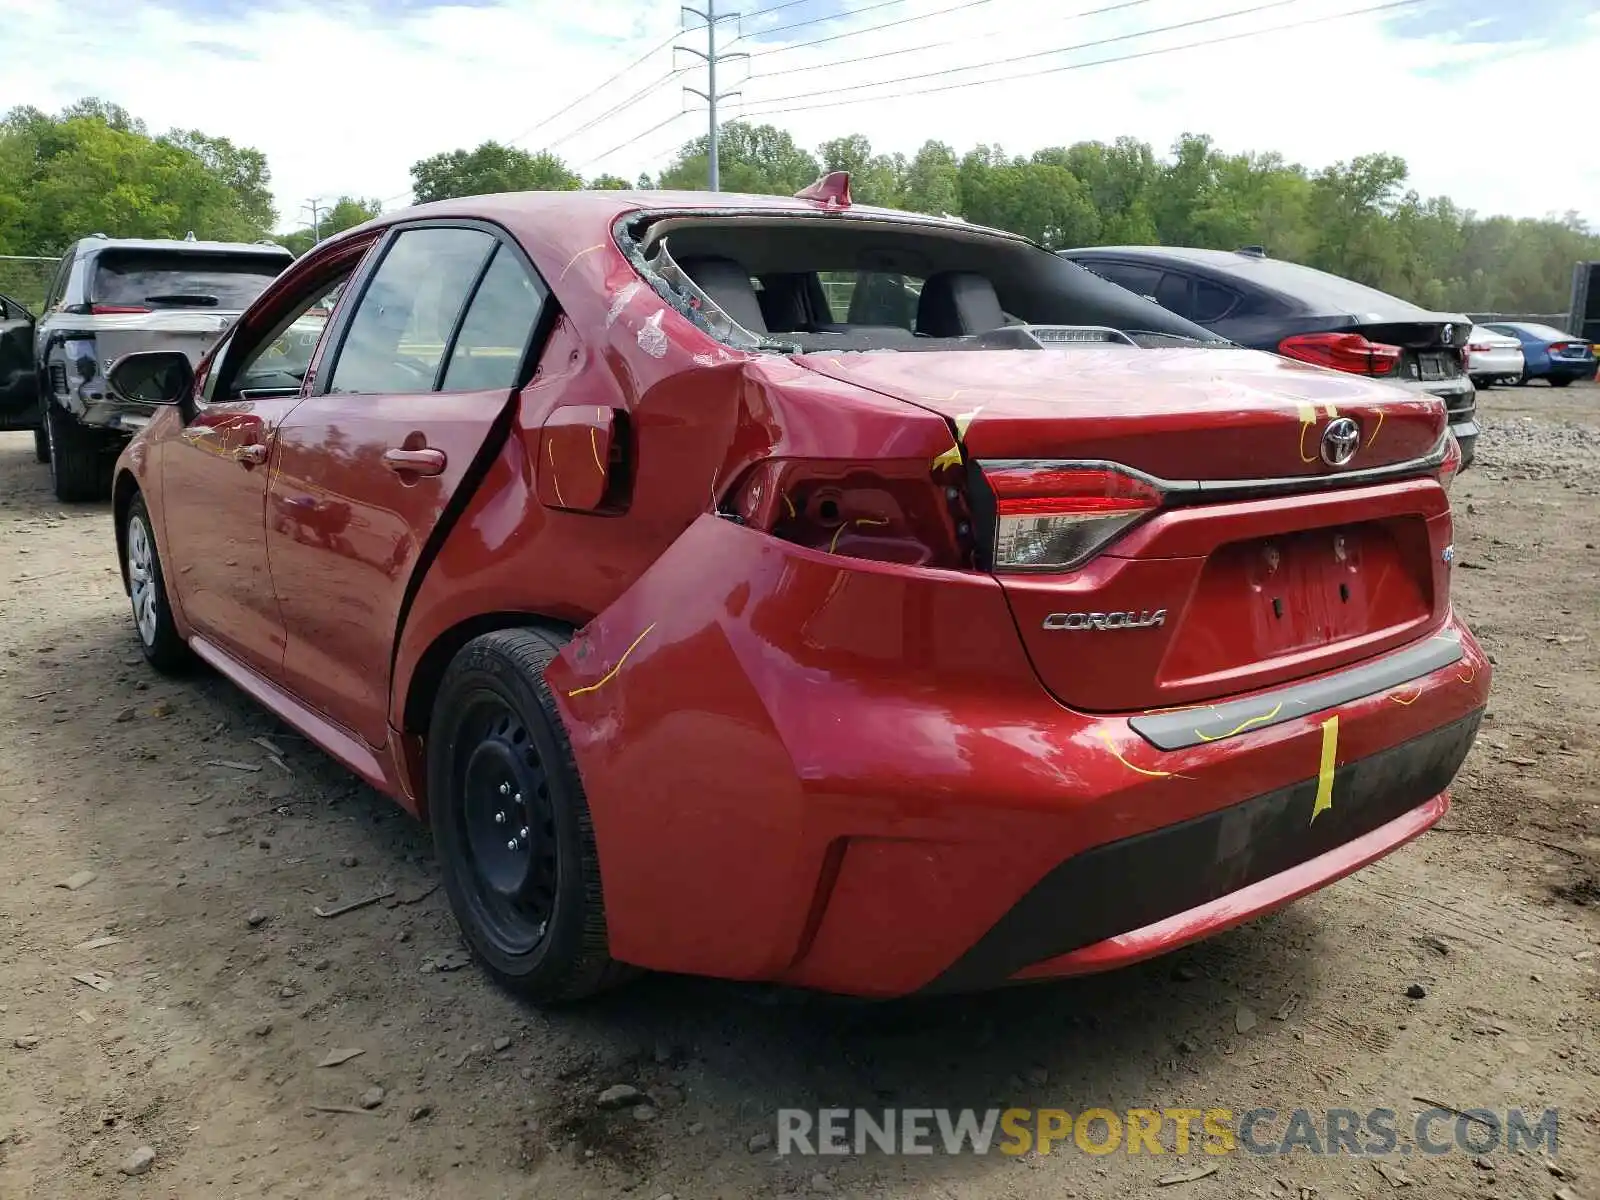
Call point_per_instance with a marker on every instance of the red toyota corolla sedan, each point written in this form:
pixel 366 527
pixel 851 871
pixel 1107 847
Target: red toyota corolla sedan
pixel 781 589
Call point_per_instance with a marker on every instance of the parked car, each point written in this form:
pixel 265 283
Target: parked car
pixel 1548 354
pixel 717 626
pixel 111 296
pixel 1493 357
pixel 1305 314
pixel 19 393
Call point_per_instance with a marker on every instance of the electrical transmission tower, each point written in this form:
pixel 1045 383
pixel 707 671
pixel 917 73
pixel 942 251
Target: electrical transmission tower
pixel 709 16
pixel 317 209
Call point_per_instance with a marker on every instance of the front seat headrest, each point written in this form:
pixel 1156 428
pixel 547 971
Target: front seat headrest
pixel 728 284
pixel 958 303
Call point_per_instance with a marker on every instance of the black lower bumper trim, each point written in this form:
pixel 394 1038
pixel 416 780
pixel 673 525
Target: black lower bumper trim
pixel 1137 881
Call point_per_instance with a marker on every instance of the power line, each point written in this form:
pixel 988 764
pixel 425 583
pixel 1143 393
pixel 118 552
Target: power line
pixel 1017 58
pixel 854 12
pixel 635 138
pixel 1099 62
pixel 607 82
pixel 616 108
pixel 317 209
pixel 845 62
pixel 850 33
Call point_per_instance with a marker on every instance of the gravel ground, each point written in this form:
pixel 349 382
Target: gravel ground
pixel 181 1000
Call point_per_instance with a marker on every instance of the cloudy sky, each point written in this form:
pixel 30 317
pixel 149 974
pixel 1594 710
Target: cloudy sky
pixel 1484 98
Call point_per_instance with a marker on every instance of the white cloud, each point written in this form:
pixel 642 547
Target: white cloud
pixel 343 104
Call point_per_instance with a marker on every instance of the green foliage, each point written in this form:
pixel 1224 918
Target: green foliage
pixel 608 183
pixel 347 212
pixel 94 168
pixel 492 167
pixel 752 158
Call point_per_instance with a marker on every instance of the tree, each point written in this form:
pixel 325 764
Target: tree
pixel 95 168
pixel 874 179
pixel 931 184
pixel 492 167
pixel 608 183
pixel 752 158
pixel 347 212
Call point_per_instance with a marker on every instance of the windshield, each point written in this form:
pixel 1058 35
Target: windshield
pixel 803 284
pixel 183 279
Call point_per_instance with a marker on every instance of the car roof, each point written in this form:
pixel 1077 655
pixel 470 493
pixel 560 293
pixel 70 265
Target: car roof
pixel 1548 332
pixel 183 245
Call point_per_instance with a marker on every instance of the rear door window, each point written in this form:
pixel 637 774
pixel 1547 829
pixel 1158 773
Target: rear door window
pixel 495 332
pixel 1172 293
pixel 182 279
pixel 1139 280
pixel 398 332
pixel 1211 301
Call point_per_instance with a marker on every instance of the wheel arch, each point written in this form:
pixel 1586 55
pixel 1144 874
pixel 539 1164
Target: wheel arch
pixel 124 488
pixel 421 687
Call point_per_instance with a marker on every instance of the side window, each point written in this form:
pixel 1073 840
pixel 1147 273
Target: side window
pixel 1139 280
pixel 496 329
pixel 397 335
pixel 58 285
pixel 1172 293
pixel 1212 301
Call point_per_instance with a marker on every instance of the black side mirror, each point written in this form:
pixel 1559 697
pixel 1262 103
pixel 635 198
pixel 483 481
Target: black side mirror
pixel 152 377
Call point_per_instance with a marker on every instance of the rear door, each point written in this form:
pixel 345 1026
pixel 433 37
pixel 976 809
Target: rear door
pixel 19 382
pixel 423 366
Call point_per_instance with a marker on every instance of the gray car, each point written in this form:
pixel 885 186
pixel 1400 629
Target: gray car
pixel 1267 303
pixel 110 297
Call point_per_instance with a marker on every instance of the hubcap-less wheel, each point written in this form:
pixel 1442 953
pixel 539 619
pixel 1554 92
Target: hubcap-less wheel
pixel 507 826
pixel 141 579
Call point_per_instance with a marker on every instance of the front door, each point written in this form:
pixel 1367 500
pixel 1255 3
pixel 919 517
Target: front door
pixel 427 361
pixel 215 473
pixel 19 391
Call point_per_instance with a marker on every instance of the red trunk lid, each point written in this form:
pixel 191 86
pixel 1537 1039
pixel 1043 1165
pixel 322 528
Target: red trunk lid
pixel 1251 592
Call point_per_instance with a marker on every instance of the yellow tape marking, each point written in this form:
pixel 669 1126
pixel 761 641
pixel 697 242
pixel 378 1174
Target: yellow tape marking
pixel 789 504
pixel 1330 750
pixel 1266 716
pixel 578 255
pixel 594 444
pixel 1308 413
pixel 1303 457
pixel 1471 677
pixel 1333 413
pixel 857 521
pixel 554 481
pixel 1407 701
pixel 952 456
pixel 612 674
pixel 1117 754
pixel 1375 429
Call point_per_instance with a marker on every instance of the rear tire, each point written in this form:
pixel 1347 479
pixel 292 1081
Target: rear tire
pixel 77 472
pixel 163 648
pixel 41 445
pixel 1559 381
pixel 511 823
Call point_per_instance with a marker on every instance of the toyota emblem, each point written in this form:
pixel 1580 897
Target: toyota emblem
pixel 1340 441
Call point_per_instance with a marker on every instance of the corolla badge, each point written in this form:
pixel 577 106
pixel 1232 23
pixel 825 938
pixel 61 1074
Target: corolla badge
pixel 1340 441
pixel 1144 619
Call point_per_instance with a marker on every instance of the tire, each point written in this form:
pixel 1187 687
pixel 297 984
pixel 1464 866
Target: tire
pixel 1560 380
pixel 511 823
pixel 163 648
pixel 1483 385
pixel 41 445
pixel 77 470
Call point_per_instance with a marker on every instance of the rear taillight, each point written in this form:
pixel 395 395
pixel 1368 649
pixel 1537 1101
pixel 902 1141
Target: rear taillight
pixel 1479 348
pixel 112 310
pixel 889 510
pixel 1559 347
pixel 1348 352
pixel 1451 466
pixel 1053 517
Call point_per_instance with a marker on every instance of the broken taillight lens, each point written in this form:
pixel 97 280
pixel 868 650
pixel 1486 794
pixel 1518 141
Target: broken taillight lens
pixel 1053 517
pixel 1349 352
pixel 889 510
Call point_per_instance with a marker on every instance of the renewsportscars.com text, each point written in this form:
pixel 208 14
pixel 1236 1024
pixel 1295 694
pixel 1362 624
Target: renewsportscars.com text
pixel 1263 1131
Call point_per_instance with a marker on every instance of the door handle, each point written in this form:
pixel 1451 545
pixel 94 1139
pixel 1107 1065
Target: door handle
pixel 427 461
pixel 251 456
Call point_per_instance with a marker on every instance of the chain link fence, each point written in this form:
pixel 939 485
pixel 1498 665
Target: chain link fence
pixel 26 279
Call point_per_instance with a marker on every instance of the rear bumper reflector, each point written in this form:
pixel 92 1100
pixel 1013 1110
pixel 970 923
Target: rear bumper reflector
pixel 1213 723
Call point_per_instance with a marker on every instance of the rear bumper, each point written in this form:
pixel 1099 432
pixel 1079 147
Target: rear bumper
pixel 846 776
pixel 1495 364
pixel 1564 369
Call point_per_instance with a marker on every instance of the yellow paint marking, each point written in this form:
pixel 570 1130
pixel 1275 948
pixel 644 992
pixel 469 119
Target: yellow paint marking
pixel 858 521
pixel 1303 457
pixel 1407 701
pixel 578 255
pixel 554 481
pixel 594 444
pixel 1266 716
pixel 1330 751
pixel 964 421
pixel 1468 678
pixel 789 504
pixel 1117 754
pixel 1375 429
pixel 950 458
pixel 612 674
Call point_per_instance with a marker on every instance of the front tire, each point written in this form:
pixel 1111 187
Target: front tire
pixel 41 445
pixel 163 648
pixel 77 472
pixel 511 823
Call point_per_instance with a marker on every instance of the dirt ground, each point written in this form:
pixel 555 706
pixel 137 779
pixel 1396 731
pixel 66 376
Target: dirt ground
pixel 223 990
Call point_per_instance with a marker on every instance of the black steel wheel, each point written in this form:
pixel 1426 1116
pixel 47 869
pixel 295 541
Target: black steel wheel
pixel 511 823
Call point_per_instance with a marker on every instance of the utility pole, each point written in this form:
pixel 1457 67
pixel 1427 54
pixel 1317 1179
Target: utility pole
pixel 315 205
pixel 710 16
